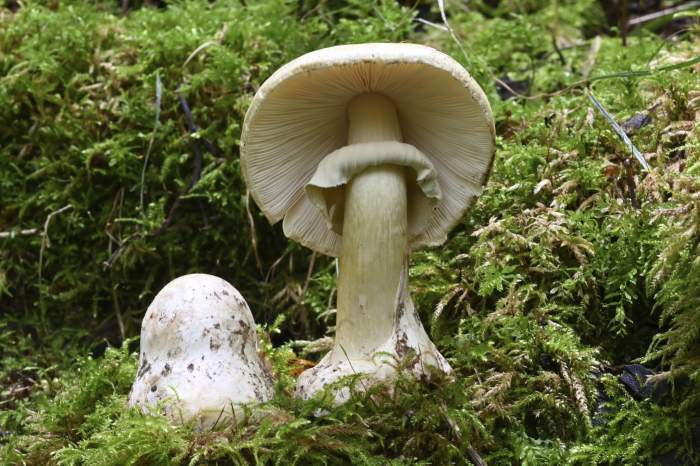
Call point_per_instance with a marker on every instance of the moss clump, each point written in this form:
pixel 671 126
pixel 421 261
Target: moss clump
pixel 573 263
pixel 94 123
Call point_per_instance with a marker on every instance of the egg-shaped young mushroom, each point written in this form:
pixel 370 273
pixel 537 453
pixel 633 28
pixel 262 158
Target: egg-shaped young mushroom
pixel 368 152
pixel 199 354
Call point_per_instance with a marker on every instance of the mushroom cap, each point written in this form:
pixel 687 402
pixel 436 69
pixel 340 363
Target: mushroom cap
pixel 199 353
pixel 299 115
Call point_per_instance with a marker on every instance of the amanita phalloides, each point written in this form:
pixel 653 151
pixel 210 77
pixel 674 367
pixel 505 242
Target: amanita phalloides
pixel 368 152
pixel 199 354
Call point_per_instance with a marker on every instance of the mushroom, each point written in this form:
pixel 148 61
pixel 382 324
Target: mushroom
pixel 368 152
pixel 199 354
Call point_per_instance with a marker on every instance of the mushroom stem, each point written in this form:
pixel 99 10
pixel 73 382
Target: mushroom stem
pixel 374 244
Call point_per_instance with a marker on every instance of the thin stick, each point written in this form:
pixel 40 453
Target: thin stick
pixel 118 313
pixel 196 173
pixel 46 243
pixel 620 132
pixel 156 123
pixel 253 235
pixel 430 23
pixel 309 273
pixel 557 49
pixel 661 13
pixel 274 265
pixel 624 21
pixel 13 233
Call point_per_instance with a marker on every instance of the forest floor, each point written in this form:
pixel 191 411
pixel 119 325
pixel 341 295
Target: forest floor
pixel 567 301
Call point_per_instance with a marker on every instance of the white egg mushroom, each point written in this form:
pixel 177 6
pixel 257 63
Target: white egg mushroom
pixel 199 354
pixel 368 152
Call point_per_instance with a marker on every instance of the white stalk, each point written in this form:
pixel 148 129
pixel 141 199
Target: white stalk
pixel 376 323
pixel 374 236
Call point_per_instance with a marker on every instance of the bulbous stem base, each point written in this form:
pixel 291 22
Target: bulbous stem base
pixel 407 347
